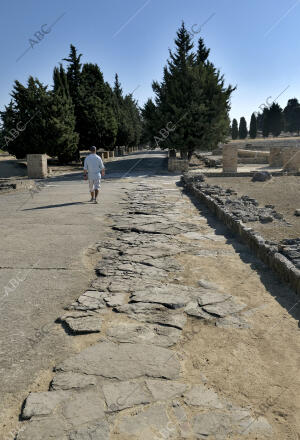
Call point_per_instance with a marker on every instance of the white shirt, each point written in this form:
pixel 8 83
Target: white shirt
pixel 93 165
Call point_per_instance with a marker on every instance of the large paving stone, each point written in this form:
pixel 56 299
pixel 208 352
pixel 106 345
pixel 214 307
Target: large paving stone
pixel 213 423
pixel 50 428
pixel 90 300
pixel 85 324
pixel 144 425
pixel 200 395
pixel 161 295
pixel 144 334
pixel 124 361
pixel 127 394
pixel 225 308
pixel 233 322
pixel 193 309
pixel 154 313
pixel 72 381
pixel 206 298
pixel 98 431
pixel 114 299
pixel 85 407
pixel 165 389
pixel 42 404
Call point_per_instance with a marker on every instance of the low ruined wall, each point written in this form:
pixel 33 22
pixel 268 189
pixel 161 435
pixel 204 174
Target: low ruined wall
pixel 267 253
pixel 177 165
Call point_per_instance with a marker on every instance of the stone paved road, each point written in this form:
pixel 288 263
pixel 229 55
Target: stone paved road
pixel 44 265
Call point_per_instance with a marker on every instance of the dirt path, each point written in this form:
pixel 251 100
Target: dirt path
pixel 207 347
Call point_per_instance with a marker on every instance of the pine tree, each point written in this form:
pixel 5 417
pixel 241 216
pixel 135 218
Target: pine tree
pixel 234 129
pixel 191 102
pixel 275 119
pixel 253 127
pixel 243 131
pixel 63 138
pixel 98 122
pixel 292 116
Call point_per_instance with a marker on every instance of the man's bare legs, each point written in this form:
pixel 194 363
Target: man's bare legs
pixel 92 195
pixel 96 194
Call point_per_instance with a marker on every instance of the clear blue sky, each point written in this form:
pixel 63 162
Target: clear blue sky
pixel 254 43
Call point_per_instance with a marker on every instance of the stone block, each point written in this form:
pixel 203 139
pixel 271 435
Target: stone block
pixel 178 165
pixel 37 166
pixel 291 159
pixel 230 159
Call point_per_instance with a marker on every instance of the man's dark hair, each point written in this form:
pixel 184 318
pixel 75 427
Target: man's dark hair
pixel 93 149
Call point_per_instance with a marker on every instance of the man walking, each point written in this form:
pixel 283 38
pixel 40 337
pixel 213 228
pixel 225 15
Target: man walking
pixel 93 170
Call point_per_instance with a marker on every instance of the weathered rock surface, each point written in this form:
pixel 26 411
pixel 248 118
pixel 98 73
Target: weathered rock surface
pixel 123 362
pixel 153 313
pixel 144 334
pixel 72 381
pixel 225 308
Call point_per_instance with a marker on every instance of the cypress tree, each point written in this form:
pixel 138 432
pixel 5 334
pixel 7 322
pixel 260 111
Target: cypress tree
pixel 243 128
pixel 253 127
pixel 63 140
pixel 234 129
pixel 275 119
pixel 265 122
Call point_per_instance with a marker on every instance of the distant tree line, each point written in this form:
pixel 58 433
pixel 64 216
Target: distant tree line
pixel 272 121
pixel 80 110
pixel 191 105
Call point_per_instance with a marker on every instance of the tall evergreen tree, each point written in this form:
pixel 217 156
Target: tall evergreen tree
pixel 98 122
pixel 275 119
pixel 253 126
pixel 234 129
pixel 243 131
pixel 266 122
pixel 292 116
pixel 63 140
pixel 192 102
pixel 259 121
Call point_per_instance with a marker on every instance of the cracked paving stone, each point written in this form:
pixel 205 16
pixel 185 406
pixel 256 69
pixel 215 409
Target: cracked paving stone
pixel 85 324
pixel 123 395
pixel 213 424
pixel 90 300
pixel 123 361
pixel 144 334
pixel 97 431
pixel 50 428
pixel 44 403
pixel 193 309
pixel 225 308
pixel 165 389
pixel 208 298
pixel 161 295
pixel 200 395
pixel 145 424
pixel 84 407
pixel 72 381
pixel 114 299
pixel 153 313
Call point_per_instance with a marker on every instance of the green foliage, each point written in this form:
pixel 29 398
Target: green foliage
pixel 253 127
pixel 275 119
pixel 292 116
pixel 266 122
pixel 234 129
pixel 243 131
pixel 191 102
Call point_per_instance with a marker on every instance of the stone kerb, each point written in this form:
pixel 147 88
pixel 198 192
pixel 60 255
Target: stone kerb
pixel 230 159
pixel 37 166
pixel 291 159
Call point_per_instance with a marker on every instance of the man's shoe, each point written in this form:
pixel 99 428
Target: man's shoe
pixel 95 201
pixel 91 199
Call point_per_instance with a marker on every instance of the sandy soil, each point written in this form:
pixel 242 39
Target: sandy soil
pixel 258 367
pixel 283 192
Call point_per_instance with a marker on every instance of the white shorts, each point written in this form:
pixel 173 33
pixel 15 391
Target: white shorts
pixel 94 184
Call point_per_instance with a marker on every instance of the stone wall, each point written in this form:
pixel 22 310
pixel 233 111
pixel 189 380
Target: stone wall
pixel 37 166
pixel 177 165
pixel 275 158
pixel 291 159
pixel 269 254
